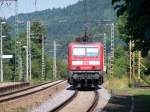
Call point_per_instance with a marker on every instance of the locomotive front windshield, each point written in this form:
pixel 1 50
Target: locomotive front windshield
pixel 86 51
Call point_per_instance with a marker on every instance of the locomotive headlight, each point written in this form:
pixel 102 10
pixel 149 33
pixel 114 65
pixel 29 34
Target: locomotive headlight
pixel 75 76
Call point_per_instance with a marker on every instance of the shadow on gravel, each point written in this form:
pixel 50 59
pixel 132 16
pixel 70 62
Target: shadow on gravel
pixel 142 103
pixel 118 103
pixel 83 88
pixel 71 88
pixel 122 103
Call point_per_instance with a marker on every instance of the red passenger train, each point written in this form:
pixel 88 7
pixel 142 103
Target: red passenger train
pixel 85 63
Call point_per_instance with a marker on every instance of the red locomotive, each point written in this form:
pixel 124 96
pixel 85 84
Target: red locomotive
pixel 85 63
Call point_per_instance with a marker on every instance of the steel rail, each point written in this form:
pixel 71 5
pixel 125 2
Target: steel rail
pixel 61 106
pixel 95 102
pixel 90 109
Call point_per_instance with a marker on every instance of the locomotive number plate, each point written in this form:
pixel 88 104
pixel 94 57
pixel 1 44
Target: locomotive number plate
pixel 85 62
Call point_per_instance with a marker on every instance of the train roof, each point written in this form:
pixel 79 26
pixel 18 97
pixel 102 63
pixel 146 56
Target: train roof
pixel 85 43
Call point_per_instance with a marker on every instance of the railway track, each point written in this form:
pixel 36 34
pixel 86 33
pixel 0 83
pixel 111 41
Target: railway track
pixel 141 85
pixel 59 107
pixel 23 89
pixel 27 91
pixel 76 99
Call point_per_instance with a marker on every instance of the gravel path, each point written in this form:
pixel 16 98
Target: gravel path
pixel 54 101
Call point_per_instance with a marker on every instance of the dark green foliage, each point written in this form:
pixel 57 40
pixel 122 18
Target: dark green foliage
pixel 62 68
pixel 121 61
pixel 134 23
pixel 138 24
pixel 37 30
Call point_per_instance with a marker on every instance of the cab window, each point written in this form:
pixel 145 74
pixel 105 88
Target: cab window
pixel 78 51
pixel 86 51
pixel 92 52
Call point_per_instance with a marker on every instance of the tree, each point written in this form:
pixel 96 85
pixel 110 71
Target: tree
pixel 37 30
pixel 121 61
pixel 138 24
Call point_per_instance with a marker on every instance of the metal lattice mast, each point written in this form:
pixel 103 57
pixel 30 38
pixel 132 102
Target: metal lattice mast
pixel 105 57
pixel 27 53
pixel 54 61
pixel 43 58
pixel 112 49
pixel 29 48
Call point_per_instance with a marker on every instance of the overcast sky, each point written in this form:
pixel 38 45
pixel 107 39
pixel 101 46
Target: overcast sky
pixel 29 6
